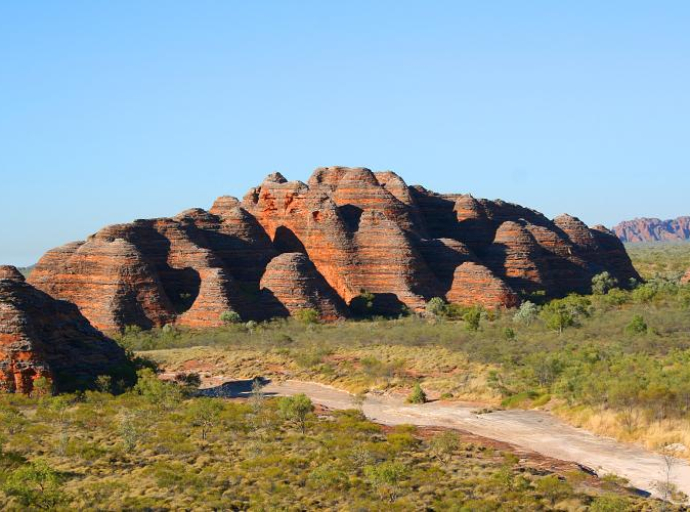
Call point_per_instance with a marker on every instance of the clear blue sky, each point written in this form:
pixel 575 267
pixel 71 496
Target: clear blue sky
pixel 111 111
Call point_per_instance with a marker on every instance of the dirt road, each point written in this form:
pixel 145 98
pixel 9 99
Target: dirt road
pixel 531 430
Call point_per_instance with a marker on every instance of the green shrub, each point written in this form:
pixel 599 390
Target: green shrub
pixel 527 313
pixel 296 409
pixel 162 394
pixel 230 317
pixel 442 446
pixel 473 318
pixel 637 325
pixel 307 316
pixel 417 396
pixel 436 307
pixel 602 283
pixel 35 486
pixel 560 314
pixel 644 294
pixel 385 478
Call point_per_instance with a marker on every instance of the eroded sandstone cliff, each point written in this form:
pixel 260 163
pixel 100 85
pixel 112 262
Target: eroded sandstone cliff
pixel 290 245
pixel 44 337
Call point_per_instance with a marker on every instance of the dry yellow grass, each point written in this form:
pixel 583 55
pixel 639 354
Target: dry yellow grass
pixel 631 427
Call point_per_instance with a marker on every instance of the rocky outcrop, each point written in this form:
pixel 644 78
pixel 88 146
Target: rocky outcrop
pixel 188 270
pixel 475 284
pixel 44 337
pixel 291 283
pixel 288 245
pixel 653 230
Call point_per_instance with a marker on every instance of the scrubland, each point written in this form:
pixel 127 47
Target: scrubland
pixel 157 448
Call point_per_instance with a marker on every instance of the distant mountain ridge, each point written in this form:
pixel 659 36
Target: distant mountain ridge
pixel 653 230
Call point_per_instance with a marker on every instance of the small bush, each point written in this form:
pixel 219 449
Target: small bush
pixel 602 283
pixel 230 317
pixel 296 409
pixel 527 313
pixel 436 307
pixel 473 318
pixel 307 316
pixel 637 325
pixel 417 396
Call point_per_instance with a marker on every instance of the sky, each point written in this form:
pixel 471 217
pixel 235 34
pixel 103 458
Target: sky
pixel 113 111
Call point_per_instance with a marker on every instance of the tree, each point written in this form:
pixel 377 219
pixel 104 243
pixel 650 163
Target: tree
pixel 553 488
pixel 205 413
pixel 562 313
pixel 385 478
pixel 443 445
pixel 603 283
pixel 43 386
pixel 417 396
pixel 35 485
pixel 257 401
pixel 527 313
pixel 436 307
pixel 558 318
pixel 296 409
pixel 472 318
pixel 230 317
pixel 160 393
pixel 129 430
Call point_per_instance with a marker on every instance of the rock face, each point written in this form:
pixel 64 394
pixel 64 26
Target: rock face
pixel 44 337
pixel 653 230
pixel 475 284
pixel 290 245
pixel 294 283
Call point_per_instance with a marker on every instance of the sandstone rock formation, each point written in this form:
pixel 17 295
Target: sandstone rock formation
pixel 44 337
pixel 475 284
pixel 288 245
pixel 653 230
pixel 294 283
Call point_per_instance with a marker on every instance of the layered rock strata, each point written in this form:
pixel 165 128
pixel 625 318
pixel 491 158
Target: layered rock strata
pixel 292 283
pixel 288 245
pixel 44 337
